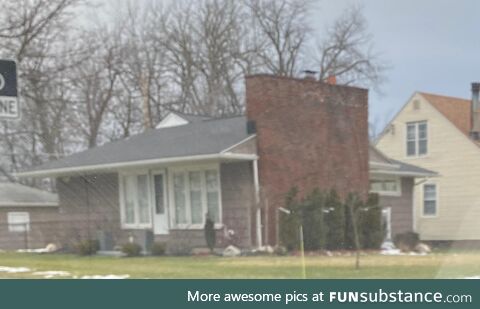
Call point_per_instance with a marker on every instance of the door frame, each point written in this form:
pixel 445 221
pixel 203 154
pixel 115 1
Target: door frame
pixel 154 173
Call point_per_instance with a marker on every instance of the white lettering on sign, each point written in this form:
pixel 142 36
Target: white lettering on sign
pixel 8 107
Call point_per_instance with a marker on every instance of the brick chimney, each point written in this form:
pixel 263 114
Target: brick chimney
pixel 475 112
pixel 310 134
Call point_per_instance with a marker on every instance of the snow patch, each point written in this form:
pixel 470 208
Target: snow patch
pixel 106 277
pixel 52 273
pixel 12 270
pixel 399 252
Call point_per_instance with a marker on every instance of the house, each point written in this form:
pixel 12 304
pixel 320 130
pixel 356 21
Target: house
pixel 441 133
pixel 237 170
pixel 26 215
pixel 395 182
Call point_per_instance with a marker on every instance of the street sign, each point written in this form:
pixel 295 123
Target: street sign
pixel 9 108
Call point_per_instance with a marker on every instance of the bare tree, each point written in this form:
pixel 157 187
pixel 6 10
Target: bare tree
pixel 347 52
pixel 93 82
pixel 282 33
pixel 32 33
pixel 208 56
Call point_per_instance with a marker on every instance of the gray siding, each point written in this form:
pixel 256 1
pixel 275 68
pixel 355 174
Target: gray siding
pixel 401 208
pixel 42 231
pixel 101 214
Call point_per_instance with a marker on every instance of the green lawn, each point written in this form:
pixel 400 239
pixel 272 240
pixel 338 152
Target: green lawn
pixel 438 265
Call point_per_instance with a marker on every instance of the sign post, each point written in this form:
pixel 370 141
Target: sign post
pixel 9 108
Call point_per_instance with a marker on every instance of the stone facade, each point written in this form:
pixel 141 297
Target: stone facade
pixel 309 134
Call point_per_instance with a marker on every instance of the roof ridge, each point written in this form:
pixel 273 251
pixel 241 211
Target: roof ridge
pixel 189 114
pixel 442 95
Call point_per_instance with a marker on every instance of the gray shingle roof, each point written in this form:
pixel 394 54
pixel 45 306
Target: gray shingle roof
pixel 204 137
pixel 395 166
pixel 17 195
pixel 192 118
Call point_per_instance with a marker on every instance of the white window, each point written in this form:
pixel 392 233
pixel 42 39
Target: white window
pixel 417 138
pixel 195 194
pixel 386 186
pixel 134 195
pixel 430 200
pixel 18 221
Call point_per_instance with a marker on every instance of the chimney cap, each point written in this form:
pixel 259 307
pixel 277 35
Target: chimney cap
pixel 476 86
pixel 310 74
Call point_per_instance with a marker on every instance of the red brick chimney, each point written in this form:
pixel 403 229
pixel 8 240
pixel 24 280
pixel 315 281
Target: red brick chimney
pixel 332 80
pixel 310 135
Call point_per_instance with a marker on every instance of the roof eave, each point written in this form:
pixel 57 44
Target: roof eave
pixel 141 163
pixel 404 173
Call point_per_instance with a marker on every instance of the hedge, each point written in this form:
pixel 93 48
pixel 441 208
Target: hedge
pixel 327 221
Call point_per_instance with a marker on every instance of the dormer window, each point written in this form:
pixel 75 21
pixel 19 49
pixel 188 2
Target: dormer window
pixel 417 139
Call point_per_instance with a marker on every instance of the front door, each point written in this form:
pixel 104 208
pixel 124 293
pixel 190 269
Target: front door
pixel 160 210
pixel 387 222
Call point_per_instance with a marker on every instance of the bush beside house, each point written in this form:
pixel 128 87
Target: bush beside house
pixel 328 223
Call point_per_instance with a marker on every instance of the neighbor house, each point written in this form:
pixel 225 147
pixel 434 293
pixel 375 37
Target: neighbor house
pixel 26 216
pixel 441 133
pixel 162 184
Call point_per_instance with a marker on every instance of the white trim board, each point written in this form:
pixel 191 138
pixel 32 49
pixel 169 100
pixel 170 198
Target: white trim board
pixel 142 163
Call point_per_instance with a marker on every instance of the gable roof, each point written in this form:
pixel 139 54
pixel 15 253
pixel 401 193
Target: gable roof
pixel 198 138
pixel 173 119
pixel 17 195
pixel 456 110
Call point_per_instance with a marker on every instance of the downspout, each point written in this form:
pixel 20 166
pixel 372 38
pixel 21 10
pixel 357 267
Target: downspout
pixel 258 214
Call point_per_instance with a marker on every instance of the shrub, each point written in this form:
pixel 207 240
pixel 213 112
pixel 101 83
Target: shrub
pixel 335 221
pixel 313 221
pixel 132 249
pixel 158 248
pixel 290 223
pixel 371 231
pixel 86 247
pixel 210 236
pixel 406 241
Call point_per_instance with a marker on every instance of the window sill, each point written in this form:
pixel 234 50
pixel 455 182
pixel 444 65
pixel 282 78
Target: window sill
pixel 217 226
pixel 136 227
pixel 429 216
pixel 391 194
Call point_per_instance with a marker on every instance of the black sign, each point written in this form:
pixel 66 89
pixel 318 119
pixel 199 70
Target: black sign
pixel 8 89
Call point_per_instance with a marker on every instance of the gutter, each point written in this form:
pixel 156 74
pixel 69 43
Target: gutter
pixel 402 173
pixel 142 163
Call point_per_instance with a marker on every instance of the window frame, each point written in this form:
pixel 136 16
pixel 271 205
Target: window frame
pixel 417 139
pixel 397 180
pixel 16 227
pixel 121 180
pixel 424 215
pixel 171 205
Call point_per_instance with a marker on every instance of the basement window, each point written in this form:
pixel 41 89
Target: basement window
pixel 417 139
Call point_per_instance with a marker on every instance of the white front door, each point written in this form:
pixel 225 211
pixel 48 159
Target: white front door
pixel 160 209
pixel 387 222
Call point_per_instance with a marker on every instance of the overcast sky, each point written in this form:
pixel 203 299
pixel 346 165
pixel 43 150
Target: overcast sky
pixel 432 45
